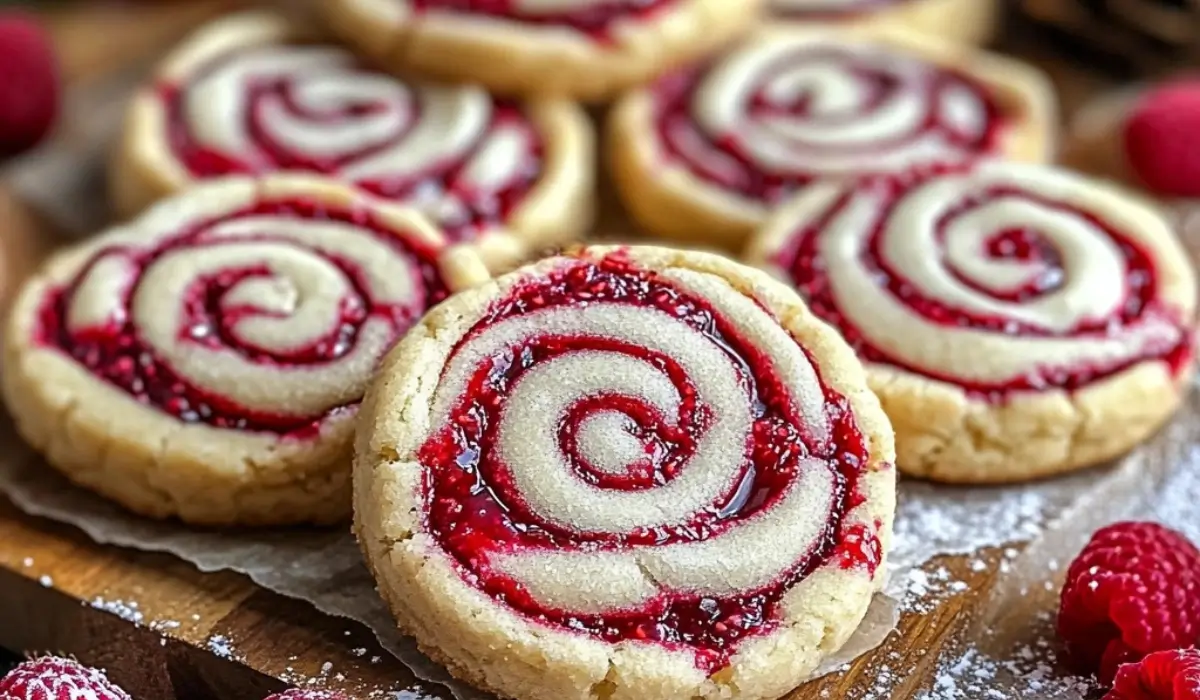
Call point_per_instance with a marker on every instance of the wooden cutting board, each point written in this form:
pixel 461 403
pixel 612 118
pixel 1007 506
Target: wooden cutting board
pixel 165 630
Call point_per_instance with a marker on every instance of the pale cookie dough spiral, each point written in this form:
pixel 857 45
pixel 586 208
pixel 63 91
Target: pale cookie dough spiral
pixel 244 316
pixel 1000 294
pixel 626 457
pixel 709 152
pixel 244 97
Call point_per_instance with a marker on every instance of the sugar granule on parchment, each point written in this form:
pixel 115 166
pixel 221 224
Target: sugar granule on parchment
pixel 221 646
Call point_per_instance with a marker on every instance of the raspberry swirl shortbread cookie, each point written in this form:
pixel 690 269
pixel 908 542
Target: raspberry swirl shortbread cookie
pixel 587 49
pixel 625 473
pixel 968 22
pixel 251 94
pixel 207 359
pixel 706 154
pixel 1017 321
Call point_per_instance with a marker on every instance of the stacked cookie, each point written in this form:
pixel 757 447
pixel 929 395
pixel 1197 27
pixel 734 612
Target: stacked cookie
pixel 614 471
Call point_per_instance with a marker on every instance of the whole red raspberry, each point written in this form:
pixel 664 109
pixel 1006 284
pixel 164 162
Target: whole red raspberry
pixel 1163 675
pixel 53 678
pixel 298 694
pixel 29 83
pixel 1133 590
pixel 1162 138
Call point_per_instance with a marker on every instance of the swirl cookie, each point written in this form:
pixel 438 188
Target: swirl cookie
pixel 625 473
pixel 252 95
pixel 207 359
pixel 1017 321
pixel 704 155
pixel 586 49
pixel 971 22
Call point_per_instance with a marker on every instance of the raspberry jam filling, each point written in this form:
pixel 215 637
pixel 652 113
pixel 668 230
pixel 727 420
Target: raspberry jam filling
pixel 213 313
pixel 274 108
pixel 794 124
pixel 592 17
pixel 810 276
pixel 477 513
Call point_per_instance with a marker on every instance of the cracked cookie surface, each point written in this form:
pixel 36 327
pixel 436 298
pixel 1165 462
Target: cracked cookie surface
pixel 625 473
pixel 585 49
pixel 207 359
pixel 257 93
pixel 1017 321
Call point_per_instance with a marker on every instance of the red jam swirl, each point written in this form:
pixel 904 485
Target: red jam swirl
pixel 724 152
pixel 593 17
pixel 475 209
pixel 809 274
pixel 117 352
pixel 474 509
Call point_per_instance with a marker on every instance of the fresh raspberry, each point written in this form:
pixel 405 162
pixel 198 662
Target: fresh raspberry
pixel 1162 138
pixel 1133 590
pixel 298 694
pixel 29 83
pixel 1163 675
pixel 53 678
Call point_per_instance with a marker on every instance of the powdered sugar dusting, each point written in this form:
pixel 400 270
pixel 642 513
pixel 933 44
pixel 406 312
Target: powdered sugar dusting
pixel 221 646
pixel 933 521
pixel 126 610
pixel 938 520
pixel 1176 505
pixel 1032 670
pixel 926 589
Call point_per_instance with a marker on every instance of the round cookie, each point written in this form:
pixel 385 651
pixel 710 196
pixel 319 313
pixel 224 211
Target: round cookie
pixel 704 155
pixel 1017 321
pixel 585 49
pixel 970 22
pixel 626 473
pixel 253 94
pixel 206 360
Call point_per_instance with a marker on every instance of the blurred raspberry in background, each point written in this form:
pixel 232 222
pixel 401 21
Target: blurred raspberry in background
pixel 30 90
